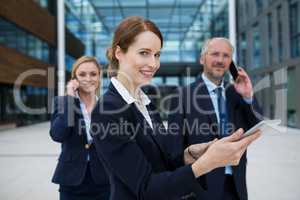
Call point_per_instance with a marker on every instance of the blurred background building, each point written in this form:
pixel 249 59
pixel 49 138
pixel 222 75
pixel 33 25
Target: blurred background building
pixel 268 46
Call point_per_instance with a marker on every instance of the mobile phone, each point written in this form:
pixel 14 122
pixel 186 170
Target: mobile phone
pixel 233 70
pixel 75 78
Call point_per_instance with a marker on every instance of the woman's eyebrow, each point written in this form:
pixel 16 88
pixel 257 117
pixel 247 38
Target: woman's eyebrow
pixel 147 49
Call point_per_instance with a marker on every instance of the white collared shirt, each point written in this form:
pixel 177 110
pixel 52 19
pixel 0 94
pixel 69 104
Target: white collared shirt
pixel 211 87
pixel 129 99
pixel 87 121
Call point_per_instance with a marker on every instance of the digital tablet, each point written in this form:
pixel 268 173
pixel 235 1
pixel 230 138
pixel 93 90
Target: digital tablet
pixel 264 126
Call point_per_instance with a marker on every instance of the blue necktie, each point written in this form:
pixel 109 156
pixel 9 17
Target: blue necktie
pixel 223 120
pixel 222 112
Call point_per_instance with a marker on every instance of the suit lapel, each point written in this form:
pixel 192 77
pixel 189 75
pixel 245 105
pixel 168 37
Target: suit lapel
pixel 79 117
pixel 152 134
pixel 231 104
pixel 204 102
pixel 145 130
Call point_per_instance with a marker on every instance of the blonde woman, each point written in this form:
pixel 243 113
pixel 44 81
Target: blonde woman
pixel 79 172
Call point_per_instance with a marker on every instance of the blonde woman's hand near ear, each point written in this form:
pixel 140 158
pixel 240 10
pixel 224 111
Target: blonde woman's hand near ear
pixel 72 86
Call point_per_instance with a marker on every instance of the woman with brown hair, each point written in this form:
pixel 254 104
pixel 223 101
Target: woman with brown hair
pixel 79 172
pixel 127 128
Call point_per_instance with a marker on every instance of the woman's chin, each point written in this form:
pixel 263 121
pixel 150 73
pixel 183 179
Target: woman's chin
pixel 145 82
pixel 88 91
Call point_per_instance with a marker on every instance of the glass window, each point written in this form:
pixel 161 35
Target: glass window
pixel 256 52
pixel 157 80
pixel 243 50
pixel 270 37
pixel 21 41
pixel 259 6
pixel 69 60
pixel 247 10
pixel 14 37
pixel 172 80
pixel 280 38
pixel 42 3
pixel 104 84
pixel 295 29
pixel 188 80
pixel 32 97
pixel 291 99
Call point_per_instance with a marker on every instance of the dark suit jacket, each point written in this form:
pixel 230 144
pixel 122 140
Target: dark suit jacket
pixel 68 128
pixel 133 155
pixel 193 114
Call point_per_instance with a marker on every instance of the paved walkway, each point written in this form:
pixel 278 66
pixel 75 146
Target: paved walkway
pixel 28 157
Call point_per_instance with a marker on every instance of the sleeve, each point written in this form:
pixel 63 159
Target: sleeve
pixel 252 112
pixel 125 160
pixel 175 139
pixel 62 118
pixel 177 132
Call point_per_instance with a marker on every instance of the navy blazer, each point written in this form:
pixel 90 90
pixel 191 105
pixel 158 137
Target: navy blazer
pixel 134 156
pixel 68 128
pixel 193 113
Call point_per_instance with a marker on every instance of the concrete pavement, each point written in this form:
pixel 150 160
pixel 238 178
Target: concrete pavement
pixel 28 157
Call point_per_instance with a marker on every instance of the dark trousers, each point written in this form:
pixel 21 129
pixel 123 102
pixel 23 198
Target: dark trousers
pixel 230 192
pixel 87 190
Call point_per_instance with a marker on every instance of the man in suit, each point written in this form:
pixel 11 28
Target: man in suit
pixel 212 108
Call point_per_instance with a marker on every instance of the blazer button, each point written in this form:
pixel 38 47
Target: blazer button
pixel 86 146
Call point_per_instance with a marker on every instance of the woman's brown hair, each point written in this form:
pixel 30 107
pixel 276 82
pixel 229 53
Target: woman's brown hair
pixel 124 36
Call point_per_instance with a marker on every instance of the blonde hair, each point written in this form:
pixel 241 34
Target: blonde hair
pixel 85 59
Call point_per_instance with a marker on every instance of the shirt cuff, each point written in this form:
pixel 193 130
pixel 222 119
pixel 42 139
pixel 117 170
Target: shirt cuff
pixel 248 100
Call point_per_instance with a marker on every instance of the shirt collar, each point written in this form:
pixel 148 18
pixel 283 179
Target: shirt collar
pixel 211 86
pixel 128 98
pixel 78 97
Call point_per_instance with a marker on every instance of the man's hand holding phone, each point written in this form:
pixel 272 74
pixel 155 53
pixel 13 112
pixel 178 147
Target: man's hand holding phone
pixel 242 82
pixel 72 87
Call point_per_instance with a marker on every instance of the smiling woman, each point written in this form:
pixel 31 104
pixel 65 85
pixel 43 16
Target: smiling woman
pixel 79 172
pixel 138 65
pixel 127 129
pixel 132 43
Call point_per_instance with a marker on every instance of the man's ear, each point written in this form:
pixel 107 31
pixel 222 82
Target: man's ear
pixel 201 60
pixel 118 52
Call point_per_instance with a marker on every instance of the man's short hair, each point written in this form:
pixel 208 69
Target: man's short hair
pixel 207 43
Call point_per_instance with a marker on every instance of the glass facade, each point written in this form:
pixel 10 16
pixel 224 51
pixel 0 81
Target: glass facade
pixel 83 21
pixel 256 53
pixel 259 6
pixel 42 3
pixel 243 50
pixel 294 8
pixel 280 36
pixel 272 42
pixel 270 38
pixel 31 97
pixel 291 100
pixel 14 37
pixel 185 25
